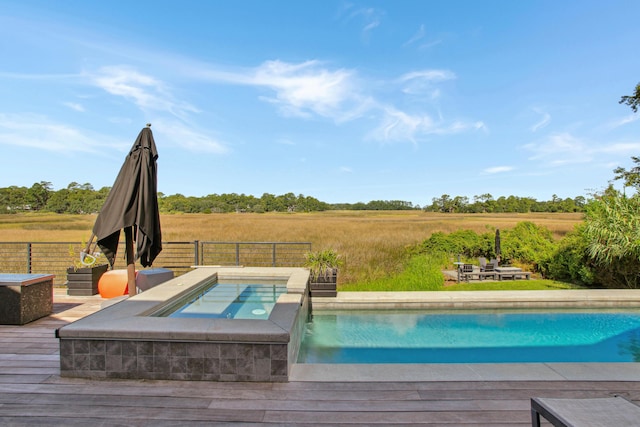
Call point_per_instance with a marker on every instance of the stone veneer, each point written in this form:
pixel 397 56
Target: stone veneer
pixel 25 297
pixel 124 341
pixel 172 360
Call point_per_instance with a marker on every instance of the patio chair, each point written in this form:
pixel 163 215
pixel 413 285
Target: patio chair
pixel 489 267
pixel 489 270
pixel 466 271
pixel 483 263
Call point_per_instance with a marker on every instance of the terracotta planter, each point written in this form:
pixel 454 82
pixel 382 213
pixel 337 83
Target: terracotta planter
pixel 84 281
pixel 324 285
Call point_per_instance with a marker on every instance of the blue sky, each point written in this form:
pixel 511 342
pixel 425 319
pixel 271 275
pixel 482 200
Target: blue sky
pixel 345 101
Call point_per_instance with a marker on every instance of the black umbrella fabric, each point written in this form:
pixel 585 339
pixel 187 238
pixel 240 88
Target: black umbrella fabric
pixel 498 249
pixel 132 205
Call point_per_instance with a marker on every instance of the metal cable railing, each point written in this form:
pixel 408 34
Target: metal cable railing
pixel 56 257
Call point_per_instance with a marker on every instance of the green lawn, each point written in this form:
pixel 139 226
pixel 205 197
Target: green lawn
pixel 511 285
pixel 505 285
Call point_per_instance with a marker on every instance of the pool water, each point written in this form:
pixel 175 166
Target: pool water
pixel 471 337
pixel 233 301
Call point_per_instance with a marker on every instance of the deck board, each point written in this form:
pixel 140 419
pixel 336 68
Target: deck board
pixel 32 393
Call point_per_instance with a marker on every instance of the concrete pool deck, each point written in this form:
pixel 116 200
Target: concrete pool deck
pixel 466 372
pixel 598 298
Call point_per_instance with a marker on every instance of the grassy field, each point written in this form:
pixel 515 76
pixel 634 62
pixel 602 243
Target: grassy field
pixel 372 243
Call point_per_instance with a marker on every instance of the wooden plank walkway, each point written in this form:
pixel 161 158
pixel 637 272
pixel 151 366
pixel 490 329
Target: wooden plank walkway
pixel 32 393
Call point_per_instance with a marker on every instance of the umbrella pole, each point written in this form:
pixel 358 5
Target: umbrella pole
pixel 131 264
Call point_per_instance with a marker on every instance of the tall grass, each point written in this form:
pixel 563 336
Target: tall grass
pixel 372 243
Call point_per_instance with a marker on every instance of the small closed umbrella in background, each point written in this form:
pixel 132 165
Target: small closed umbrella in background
pixel 132 206
pixel 498 250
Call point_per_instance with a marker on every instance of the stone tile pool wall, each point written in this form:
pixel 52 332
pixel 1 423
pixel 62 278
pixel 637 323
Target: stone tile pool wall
pixel 124 341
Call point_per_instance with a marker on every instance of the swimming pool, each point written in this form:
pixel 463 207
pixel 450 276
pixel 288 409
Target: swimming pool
pixel 480 336
pixel 231 300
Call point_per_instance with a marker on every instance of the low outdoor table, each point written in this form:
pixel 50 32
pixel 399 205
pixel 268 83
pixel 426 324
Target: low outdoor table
pixel 594 412
pixel 507 272
pixel 25 297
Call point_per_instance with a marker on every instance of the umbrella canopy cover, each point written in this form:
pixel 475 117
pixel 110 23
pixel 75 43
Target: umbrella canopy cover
pixel 133 202
pixel 498 249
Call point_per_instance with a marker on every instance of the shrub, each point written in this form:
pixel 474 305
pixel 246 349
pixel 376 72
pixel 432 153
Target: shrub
pixel 527 244
pixel 462 242
pixel 612 230
pixel 569 262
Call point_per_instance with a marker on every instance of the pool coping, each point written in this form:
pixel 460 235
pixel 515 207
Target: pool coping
pixel 115 321
pixel 578 298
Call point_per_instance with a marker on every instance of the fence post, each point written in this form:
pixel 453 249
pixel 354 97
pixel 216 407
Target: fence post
pixel 28 258
pixel 237 253
pixel 196 252
pixel 273 255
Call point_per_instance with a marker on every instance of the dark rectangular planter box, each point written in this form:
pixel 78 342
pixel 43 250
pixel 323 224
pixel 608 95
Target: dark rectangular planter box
pixel 84 281
pixel 324 286
pixel 25 297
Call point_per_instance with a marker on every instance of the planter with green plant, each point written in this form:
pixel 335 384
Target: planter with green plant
pixel 323 266
pixel 83 276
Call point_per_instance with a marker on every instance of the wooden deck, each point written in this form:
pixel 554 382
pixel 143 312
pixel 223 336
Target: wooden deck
pixel 32 393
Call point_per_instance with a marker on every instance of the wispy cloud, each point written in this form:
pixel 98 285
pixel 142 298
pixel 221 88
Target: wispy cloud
pixel 74 106
pixel 628 148
pixel 543 122
pixel 368 17
pixel 400 126
pixel 560 149
pixel 346 169
pixel 299 89
pixel 147 92
pixel 44 77
pixel 305 87
pixel 422 82
pixel 563 148
pixel 498 169
pixel 37 131
pixel 418 39
pixel 285 141
pixel 419 35
pixel 187 137
pixel 624 121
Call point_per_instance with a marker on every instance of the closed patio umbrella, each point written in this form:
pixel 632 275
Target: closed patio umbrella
pixel 498 249
pixel 132 205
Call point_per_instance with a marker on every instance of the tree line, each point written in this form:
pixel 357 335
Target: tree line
pixel 83 198
pixel 486 203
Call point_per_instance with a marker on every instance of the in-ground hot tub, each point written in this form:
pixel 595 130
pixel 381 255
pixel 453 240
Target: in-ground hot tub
pixel 133 339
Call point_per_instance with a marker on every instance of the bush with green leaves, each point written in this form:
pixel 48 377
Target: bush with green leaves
pixel 570 262
pixel 612 230
pixel 466 243
pixel 528 244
